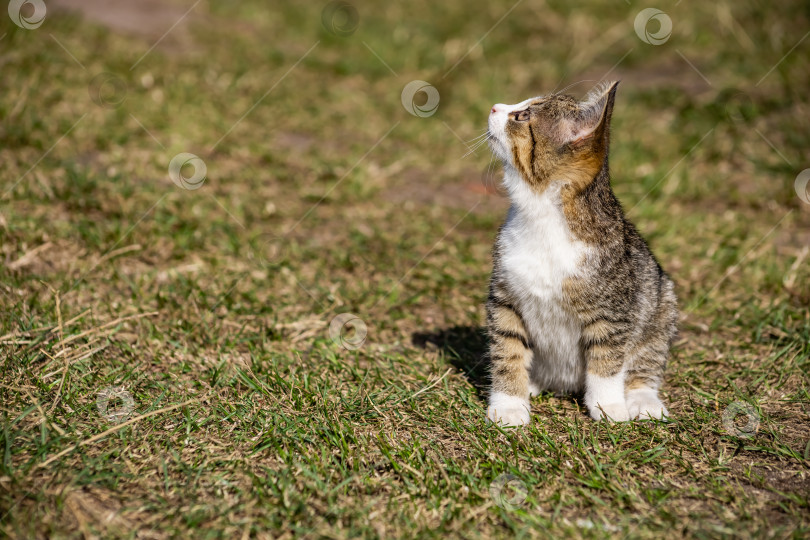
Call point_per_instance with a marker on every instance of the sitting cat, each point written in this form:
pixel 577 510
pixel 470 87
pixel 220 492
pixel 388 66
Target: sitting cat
pixel 577 302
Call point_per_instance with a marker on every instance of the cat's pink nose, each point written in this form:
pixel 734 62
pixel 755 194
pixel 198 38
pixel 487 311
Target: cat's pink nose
pixel 494 109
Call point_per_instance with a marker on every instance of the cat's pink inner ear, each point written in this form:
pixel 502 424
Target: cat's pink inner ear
pixel 582 135
pixel 595 114
pixel 581 131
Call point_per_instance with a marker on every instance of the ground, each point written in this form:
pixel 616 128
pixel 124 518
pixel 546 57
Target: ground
pixel 175 360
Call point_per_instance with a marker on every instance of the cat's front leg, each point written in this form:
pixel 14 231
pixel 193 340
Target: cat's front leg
pixel 605 371
pixel 604 397
pixel 510 356
pixel 644 377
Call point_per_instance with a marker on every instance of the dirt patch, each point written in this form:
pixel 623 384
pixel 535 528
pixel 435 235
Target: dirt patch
pixel 473 190
pixel 672 73
pixel 148 18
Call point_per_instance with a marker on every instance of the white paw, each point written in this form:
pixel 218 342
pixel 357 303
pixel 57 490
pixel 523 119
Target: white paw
pixel 514 417
pixel 604 397
pixel 508 410
pixel 644 404
pixel 616 412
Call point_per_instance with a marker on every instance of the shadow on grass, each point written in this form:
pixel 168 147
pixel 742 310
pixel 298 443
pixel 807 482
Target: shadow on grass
pixel 465 348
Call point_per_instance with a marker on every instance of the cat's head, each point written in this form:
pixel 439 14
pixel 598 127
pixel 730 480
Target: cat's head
pixel 554 137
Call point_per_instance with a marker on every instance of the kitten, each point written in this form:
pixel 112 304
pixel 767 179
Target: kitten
pixel 577 302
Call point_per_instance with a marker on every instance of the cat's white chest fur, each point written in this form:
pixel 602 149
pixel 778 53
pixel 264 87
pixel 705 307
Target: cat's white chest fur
pixel 538 253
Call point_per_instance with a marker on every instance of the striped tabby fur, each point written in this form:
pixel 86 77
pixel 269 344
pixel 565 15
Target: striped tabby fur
pixel 577 301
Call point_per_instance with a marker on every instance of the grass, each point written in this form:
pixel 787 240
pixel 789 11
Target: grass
pixel 211 308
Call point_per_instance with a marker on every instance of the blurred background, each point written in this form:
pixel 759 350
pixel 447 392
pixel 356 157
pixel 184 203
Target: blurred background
pixel 256 231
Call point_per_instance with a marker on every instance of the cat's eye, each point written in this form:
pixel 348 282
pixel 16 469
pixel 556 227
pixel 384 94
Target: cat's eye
pixel 522 116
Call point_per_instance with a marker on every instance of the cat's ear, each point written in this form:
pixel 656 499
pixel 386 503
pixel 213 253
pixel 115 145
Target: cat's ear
pixel 593 125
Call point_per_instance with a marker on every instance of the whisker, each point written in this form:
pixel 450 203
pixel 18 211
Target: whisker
pixel 478 145
pixel 478 137
pixel 472 151
pixel 481 142
pixel 574 84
